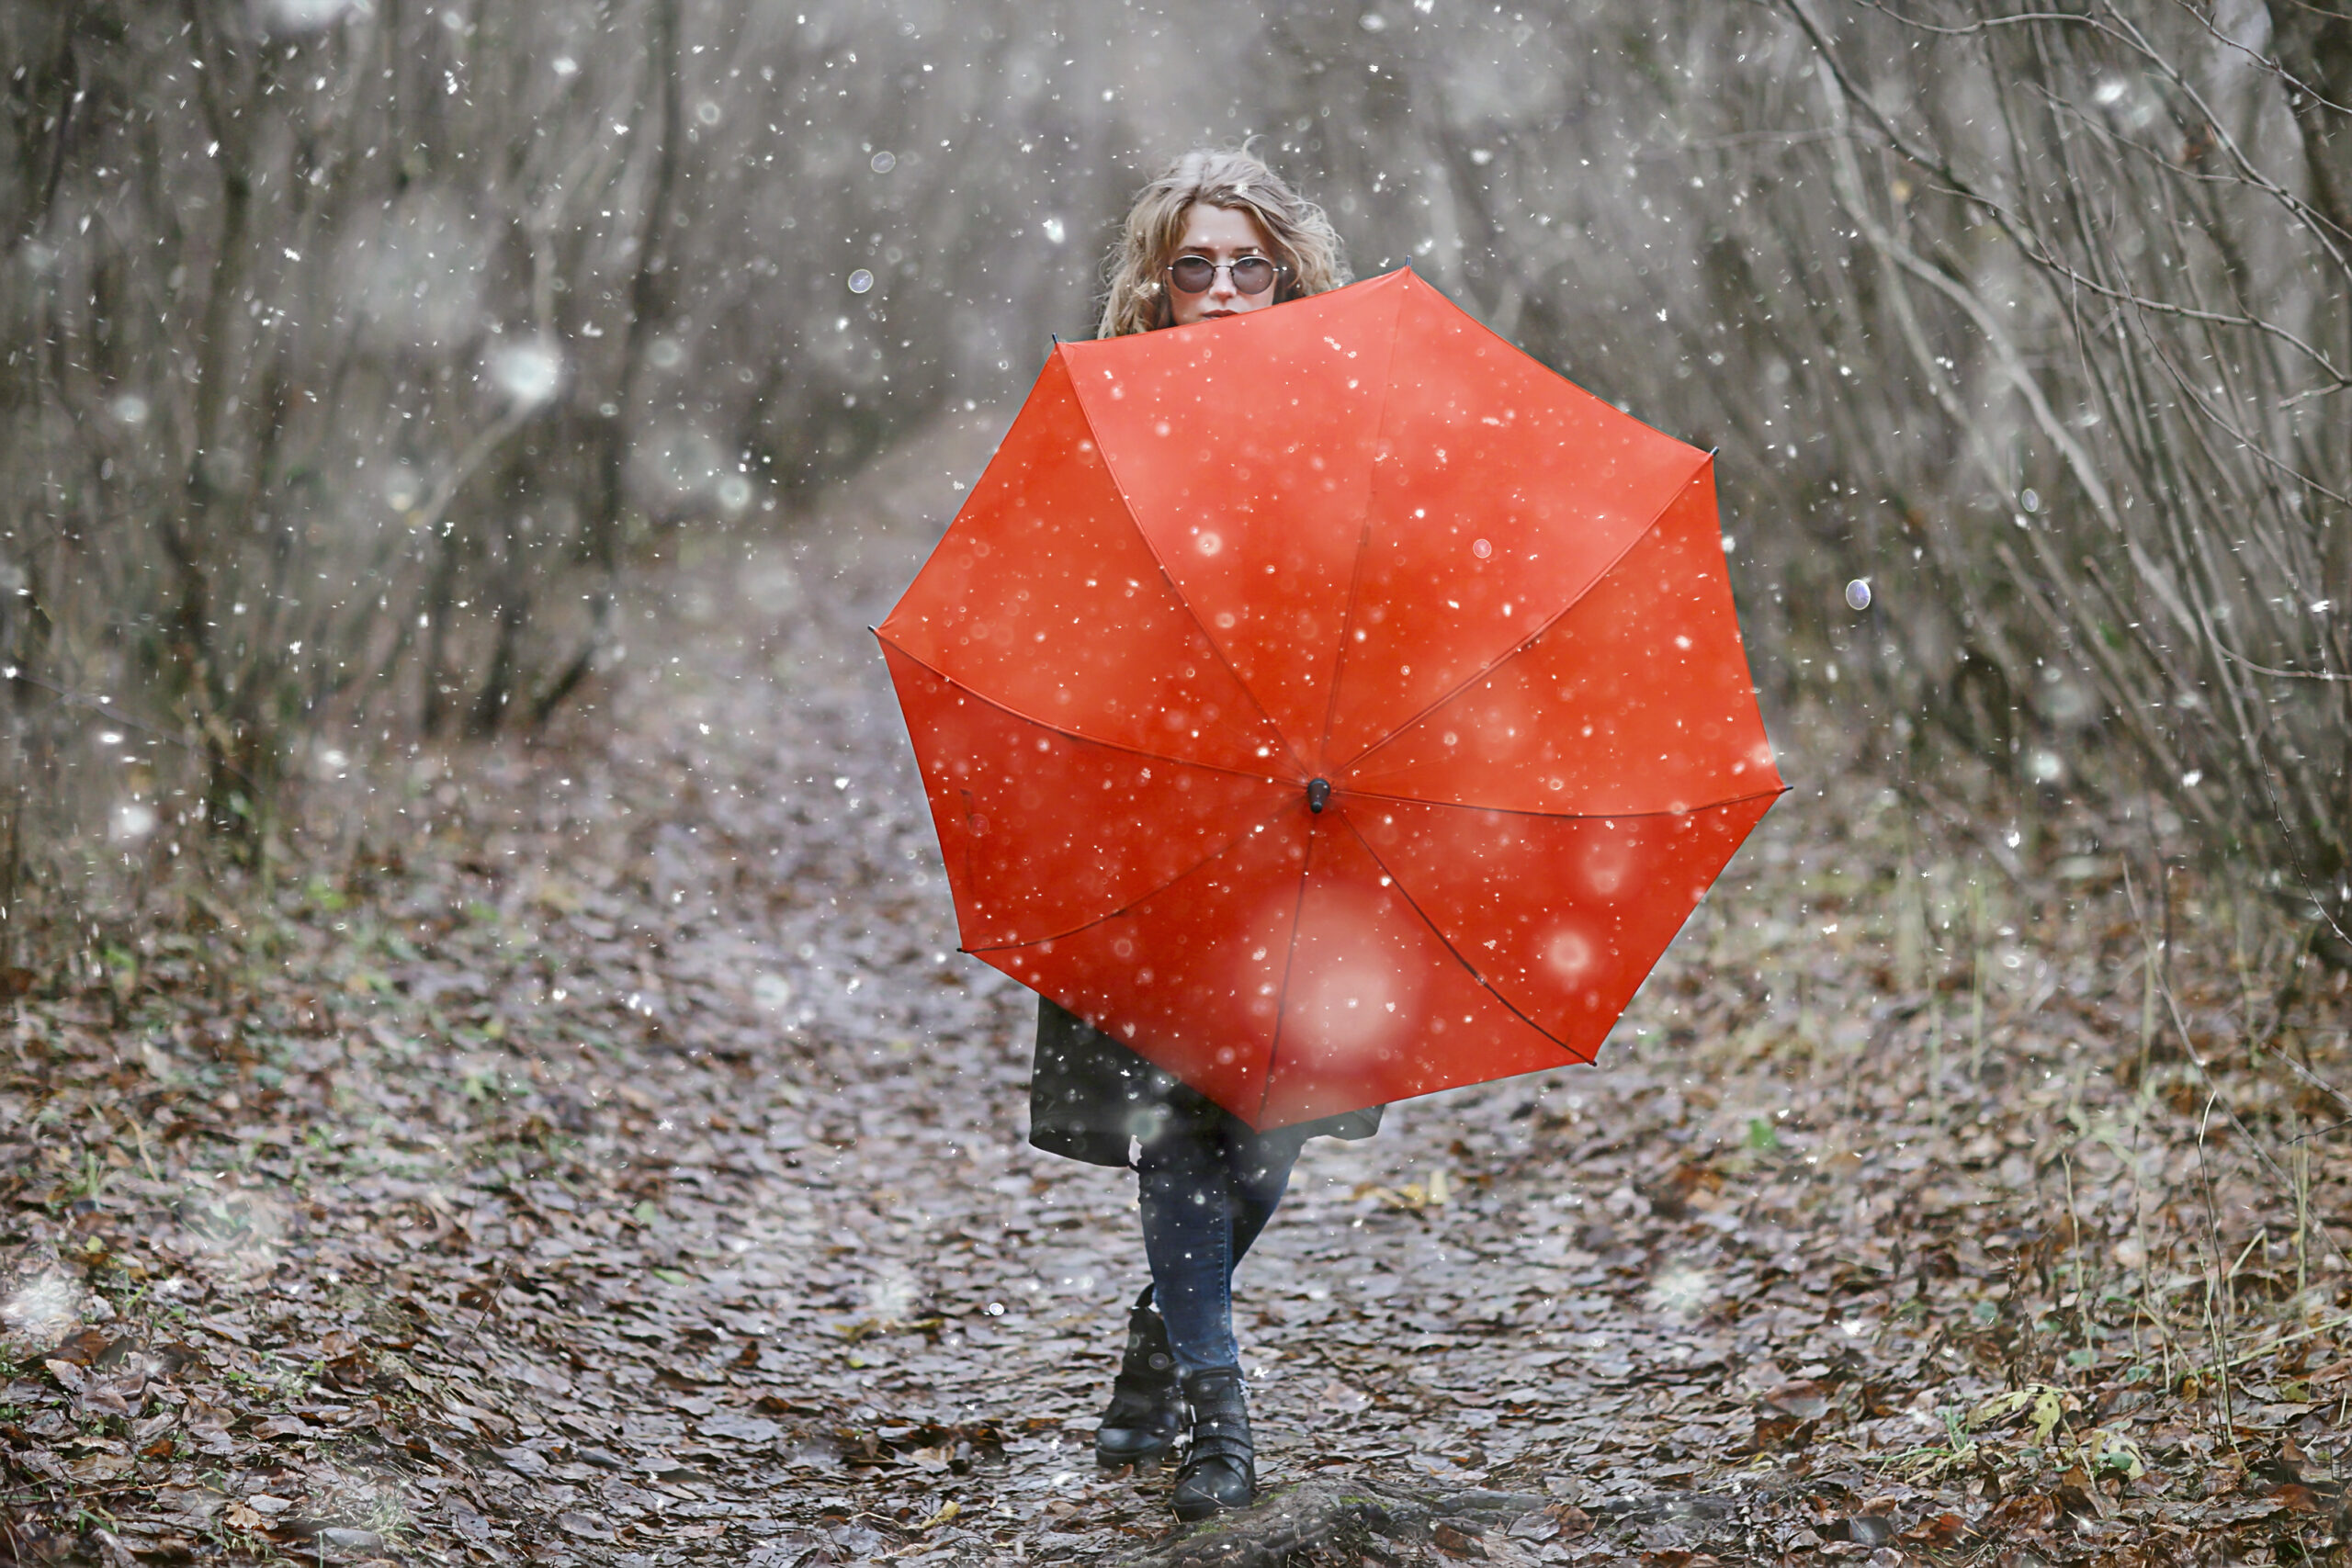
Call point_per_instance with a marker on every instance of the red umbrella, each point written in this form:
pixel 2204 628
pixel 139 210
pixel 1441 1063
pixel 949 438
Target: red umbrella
pixel 1331 703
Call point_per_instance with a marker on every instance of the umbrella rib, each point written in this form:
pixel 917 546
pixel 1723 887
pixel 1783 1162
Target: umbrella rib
pixel 1174 587
pixel 1282 992
pixel 1521 645
pixel 1566 815
pixel 1065 732
pixel 1364 535
pixel 1223 850
pixel 1397 883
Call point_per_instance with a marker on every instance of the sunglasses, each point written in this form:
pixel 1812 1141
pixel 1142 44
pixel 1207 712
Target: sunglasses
pixel 1250 275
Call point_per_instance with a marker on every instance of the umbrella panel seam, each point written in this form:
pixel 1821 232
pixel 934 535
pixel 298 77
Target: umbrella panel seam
pixel 1363 530
pixel 1398 882
pixel 1524 644
pixel 1103 450
pixel 1290 961
pixel 1129 908
pixel 1565 816
pixel 1068 734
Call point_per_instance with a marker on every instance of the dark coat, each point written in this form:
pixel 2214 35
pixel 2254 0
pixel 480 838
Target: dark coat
pixel 1089 1095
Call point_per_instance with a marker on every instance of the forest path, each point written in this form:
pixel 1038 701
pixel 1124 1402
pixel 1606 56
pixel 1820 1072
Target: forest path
pixel 605 1157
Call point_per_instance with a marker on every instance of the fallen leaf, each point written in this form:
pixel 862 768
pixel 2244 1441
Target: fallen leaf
pixel 588 1527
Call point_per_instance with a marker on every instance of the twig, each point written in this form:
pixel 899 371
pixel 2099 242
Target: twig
pixel 2235 658
pixel 116 715
pixel 1735 139
pixel 2270 1346
pixel 2003 857
pixel 490 1297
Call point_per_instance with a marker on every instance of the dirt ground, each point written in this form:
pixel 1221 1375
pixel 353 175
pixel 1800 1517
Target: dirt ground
pixel 596 1152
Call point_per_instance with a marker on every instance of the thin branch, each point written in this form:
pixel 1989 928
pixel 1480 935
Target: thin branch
pixel 2227 652
pixel 113 715
pixel 2269 62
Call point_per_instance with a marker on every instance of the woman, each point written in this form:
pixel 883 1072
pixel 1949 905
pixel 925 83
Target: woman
pixel 1216 235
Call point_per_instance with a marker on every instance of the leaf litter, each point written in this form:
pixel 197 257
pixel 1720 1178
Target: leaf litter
pixel 597 1153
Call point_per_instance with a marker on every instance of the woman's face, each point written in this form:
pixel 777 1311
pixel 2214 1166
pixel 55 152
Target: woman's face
pixel 1222 234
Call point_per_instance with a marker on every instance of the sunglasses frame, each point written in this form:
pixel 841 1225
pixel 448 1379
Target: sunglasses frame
pixel 1281 271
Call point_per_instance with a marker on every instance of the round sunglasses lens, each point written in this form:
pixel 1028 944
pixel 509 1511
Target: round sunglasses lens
pixel 1253 275
pixel 1192 274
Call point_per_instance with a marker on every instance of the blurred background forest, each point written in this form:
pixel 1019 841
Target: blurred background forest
pixel 360 354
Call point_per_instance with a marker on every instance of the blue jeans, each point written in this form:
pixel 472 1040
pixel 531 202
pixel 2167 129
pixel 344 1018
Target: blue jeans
pixel 1206 1185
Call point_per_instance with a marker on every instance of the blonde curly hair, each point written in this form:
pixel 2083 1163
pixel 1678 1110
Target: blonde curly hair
pixel 1134 298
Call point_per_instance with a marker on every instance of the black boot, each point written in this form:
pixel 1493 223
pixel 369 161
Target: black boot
pixel 1146 1408
pixel 1221 1466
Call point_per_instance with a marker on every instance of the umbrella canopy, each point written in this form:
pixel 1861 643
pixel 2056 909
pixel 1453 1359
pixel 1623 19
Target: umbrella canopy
pixel 1332 702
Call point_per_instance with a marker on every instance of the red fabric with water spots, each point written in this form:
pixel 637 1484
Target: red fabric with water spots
pixel 1356 542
